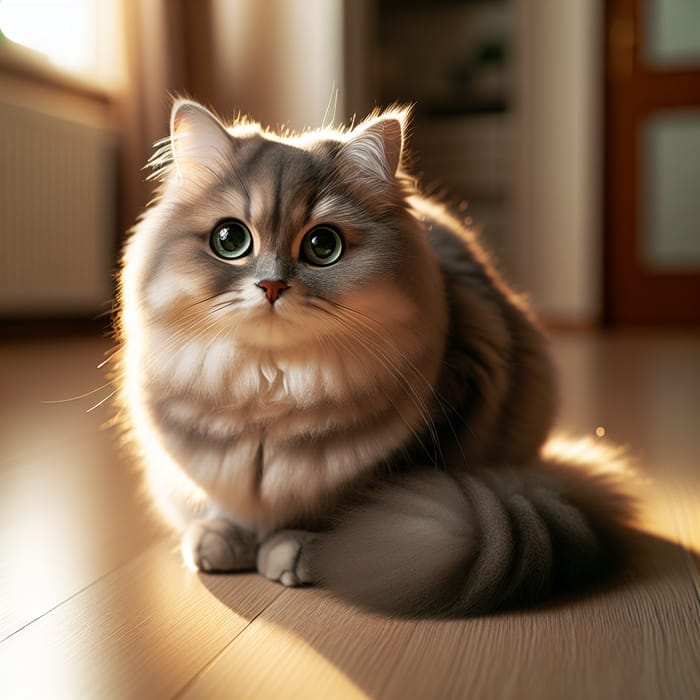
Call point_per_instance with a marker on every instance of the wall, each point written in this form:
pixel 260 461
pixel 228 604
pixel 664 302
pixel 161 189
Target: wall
pixel 559 141
pixel 57 191
pixel 279 61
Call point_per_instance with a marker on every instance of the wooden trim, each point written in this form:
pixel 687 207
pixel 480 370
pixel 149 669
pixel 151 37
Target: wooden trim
pixel 634 292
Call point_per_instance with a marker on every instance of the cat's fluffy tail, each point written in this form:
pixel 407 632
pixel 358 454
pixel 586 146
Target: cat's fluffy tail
pixel 436 544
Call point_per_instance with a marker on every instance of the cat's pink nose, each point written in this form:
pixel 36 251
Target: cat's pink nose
pixel 273 289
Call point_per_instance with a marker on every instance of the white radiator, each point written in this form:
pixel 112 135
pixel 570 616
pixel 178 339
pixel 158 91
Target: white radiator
pixel 57 214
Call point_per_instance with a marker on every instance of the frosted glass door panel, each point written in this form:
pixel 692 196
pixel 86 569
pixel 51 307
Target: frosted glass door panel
pixel 670 196
pixel 672 33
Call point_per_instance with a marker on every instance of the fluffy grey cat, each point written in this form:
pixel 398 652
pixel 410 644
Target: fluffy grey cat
pixel 326 380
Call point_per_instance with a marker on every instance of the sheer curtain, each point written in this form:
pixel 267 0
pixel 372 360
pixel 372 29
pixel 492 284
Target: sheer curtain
pixel 280 61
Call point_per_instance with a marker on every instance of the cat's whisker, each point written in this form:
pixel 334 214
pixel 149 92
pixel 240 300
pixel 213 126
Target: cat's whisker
pixel 442 403
pixel 112 354
pixel 224 304
pixel 387 335
pixel 106 385
pixel 186 335
pixel 386 361
pixel 214 338
pixel 348 348
pixel 183 336
pixel 332 100
pixel 404 383
pixel 204 301
pixel 102 401
pixel 379 341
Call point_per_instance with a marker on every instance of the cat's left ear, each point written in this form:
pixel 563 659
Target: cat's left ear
pixel 198 140
pixel 377 144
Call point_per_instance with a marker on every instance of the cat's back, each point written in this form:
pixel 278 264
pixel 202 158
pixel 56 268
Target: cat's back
pixel 497 372
pixel 461 256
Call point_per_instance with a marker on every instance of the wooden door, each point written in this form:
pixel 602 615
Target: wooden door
pixel 652 174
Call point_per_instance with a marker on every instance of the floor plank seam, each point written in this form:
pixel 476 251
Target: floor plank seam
pixel 82 590
pixel 223 649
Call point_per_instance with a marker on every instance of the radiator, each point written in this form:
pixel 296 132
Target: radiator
pixel 57 214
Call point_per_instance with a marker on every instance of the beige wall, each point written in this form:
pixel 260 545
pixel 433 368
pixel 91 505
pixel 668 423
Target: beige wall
pixel 280 61
pixel 558 219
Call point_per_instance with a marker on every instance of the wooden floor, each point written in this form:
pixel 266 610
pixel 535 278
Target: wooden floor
pixel 95 603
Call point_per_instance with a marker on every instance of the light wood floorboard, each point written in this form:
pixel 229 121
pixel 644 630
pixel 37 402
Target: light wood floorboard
pixel 95 602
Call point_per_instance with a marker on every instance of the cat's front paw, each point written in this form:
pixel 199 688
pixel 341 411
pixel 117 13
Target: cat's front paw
pixel 286 556
pixel 218 545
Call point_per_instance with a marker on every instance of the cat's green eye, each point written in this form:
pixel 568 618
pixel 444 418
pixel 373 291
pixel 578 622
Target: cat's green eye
pixel 322 246
pixel 231 239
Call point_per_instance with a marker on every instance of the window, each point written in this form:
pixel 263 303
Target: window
pixel 82 37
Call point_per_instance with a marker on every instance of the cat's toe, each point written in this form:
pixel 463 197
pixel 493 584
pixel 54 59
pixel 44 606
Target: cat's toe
pixel 218 545
pixel 286 557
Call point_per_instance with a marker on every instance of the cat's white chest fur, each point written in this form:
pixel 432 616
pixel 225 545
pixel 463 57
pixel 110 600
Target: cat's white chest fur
pixel 214 384
pixel 266 434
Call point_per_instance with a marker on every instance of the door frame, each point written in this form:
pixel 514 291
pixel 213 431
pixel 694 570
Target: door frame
pixel 635 293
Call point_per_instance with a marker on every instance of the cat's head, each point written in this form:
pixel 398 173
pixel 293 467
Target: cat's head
pixel 280 240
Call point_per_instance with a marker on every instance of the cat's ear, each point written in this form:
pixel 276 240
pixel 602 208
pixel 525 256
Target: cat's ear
pixel 198 140
pixel 377 145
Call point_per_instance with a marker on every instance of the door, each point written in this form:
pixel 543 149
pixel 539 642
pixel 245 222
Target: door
pixel 652 174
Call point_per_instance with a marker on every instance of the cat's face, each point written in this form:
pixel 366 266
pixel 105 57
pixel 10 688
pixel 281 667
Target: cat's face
pixel 279 241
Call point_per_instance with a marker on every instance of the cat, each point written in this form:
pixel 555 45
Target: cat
pixel 327 380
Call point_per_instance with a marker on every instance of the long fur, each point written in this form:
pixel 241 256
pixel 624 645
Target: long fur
pixel 469 543
pixel 395 403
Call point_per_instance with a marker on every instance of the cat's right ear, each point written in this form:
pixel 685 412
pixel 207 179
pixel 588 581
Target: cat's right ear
pixel 200 144
pixel 376 146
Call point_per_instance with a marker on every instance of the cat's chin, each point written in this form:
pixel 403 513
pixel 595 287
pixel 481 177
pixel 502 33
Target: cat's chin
pixel 275 329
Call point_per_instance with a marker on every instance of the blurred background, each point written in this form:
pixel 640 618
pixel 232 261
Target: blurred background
pixel 567 133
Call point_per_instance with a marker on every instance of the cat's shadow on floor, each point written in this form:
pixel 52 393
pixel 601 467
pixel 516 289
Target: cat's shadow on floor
pixel 365 646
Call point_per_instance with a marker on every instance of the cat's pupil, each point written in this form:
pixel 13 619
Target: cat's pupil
pixel 232 238
pixel 323 244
